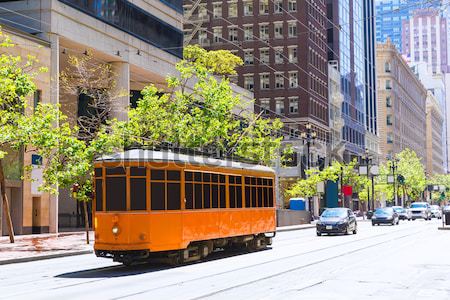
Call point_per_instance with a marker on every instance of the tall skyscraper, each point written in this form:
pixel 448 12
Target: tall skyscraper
pixel 350 26
pixel 424 39
pixel 390 15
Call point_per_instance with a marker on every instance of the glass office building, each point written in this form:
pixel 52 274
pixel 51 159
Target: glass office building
pixel 347 45
pixel 391 13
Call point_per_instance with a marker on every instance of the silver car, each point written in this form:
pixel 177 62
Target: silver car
pixel 403 214
pixel 420 210
pixel 436 211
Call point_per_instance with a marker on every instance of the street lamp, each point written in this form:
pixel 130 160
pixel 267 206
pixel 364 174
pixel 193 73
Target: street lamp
pixel 372 171
pixel 308 138
pixel 365 169
pixel 393 166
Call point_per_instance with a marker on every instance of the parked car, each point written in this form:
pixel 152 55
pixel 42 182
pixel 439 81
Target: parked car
pixel 446 209
pixel 420 210
pixel 385 215
pixel 436 211
pixel 403 214
pixel 336 220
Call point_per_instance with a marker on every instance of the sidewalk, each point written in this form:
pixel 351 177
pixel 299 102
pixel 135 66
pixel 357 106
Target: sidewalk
pixel 43 246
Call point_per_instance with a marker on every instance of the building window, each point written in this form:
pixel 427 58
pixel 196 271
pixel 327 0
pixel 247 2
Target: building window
pixel 264 31
pixel 202 12
pixel 388 101
pixel 217 10
pixel 248 32
pixel 37 98
pixel 279 55
pixel 388 85
pixel 249 82
pixel 278 6
pixel 292 54
pixel 248 8
pixel 293 79
pixel 264 81
pixel 389 120
pixel 232 9
pixel 389 139
pixel 293 105
pixel 292 29
pixel 264 7
pixel 217 34
pixel 279 80
pixel 387 67
pixel 265 106
pixel 232 34
pixel 279 105
pixel 264 56
pixel 278 28
pixel 248 57
pixel 203 38
pixel 292 5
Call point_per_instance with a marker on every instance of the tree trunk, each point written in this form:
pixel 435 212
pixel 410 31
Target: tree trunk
pixel 6 203
pixel 86 221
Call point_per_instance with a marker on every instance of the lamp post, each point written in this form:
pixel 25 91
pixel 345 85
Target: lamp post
pixel 308 138
pixel 367 160
pixel 393 166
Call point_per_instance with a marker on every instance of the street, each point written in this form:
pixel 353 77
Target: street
pixel 409 261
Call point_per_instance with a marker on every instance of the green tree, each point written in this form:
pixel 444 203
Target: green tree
pixel 198 111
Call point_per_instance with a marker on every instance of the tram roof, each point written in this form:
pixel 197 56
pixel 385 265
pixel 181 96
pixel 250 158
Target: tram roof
pixel 151 155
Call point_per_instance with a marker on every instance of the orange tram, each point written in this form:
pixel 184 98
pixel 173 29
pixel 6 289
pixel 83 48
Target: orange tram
pixel 176 208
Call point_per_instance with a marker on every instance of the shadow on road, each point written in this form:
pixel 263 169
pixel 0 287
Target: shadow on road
pixel 146 267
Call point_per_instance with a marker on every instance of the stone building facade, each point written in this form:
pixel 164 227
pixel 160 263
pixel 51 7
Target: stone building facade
pixel 401 105
pixel 435 127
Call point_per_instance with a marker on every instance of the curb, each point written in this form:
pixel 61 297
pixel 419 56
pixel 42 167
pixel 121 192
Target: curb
pixel 281 229
pixel 43 257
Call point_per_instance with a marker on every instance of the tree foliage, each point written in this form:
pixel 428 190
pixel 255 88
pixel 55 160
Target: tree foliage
pixel 348 172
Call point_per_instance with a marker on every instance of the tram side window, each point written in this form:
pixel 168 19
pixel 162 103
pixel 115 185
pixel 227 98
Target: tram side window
pixel 165 190
pixel 138 188
pixel 116 193
pixel 258 192
pixel 235 191
pixel 138 193
pixel 204 190
pixel 98 194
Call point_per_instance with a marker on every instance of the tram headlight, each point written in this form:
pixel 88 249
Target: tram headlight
pixel 115 230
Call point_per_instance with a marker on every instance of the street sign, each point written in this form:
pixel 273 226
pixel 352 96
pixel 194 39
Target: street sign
pixel 390 179
pixel 320 187
pixel 362 170
pixel 375 170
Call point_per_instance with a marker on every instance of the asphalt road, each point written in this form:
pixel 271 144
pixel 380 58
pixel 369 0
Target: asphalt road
pixel 409 261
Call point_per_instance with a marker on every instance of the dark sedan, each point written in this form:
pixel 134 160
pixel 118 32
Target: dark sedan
pixel 386 215
pixel 336 220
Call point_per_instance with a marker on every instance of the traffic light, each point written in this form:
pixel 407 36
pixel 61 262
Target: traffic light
pixel 401 179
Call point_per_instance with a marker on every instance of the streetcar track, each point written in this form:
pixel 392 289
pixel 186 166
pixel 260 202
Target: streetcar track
pixel 271 261
pixel 301 267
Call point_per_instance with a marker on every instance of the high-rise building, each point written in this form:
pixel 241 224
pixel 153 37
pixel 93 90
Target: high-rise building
pixel 424 39
pixel 401 101
pixel 283 46
pixel 390 15
pixel 350 25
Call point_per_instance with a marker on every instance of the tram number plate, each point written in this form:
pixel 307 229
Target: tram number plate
pixel 329 227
